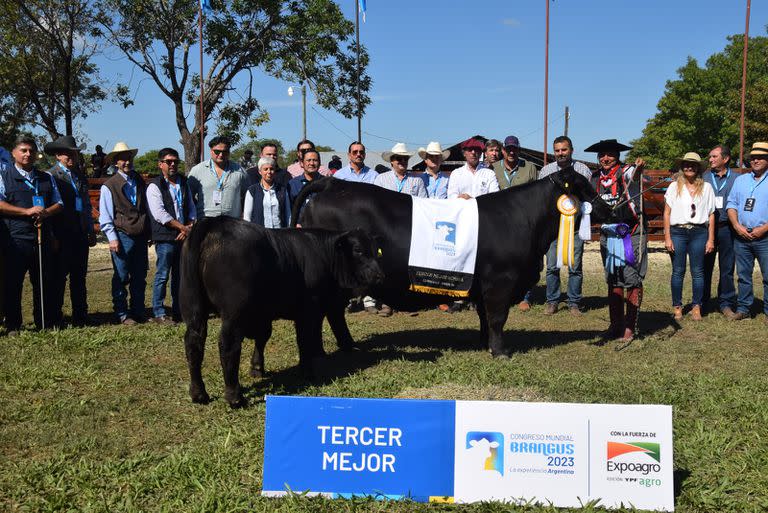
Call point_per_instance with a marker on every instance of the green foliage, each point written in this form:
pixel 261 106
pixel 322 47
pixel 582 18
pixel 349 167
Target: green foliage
pixel 701 109
pixel 293 40
pixel 146 163
pixel 49 80
pixel 293 154
pixel 255 146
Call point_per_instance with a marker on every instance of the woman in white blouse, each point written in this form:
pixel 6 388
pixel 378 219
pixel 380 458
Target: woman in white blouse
pixel 689 229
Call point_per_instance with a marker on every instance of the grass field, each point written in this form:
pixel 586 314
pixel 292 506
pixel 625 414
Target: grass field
pixel 98 419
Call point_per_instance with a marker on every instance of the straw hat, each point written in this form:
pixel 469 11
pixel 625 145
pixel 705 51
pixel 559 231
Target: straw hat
pixel 433 148
pixel 691 156
pixel 399 150
pixel 120 147
pixel 759 148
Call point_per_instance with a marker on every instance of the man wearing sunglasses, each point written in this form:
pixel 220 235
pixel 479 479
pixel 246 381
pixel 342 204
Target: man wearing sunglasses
pixel 748 212
pixel 172 213
pixel 398 179
pixel 218 185
pixel 356 171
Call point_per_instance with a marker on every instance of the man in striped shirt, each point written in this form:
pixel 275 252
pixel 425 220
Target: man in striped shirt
pixel 398 179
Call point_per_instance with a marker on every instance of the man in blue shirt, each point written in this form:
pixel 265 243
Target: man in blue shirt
pixel 356 171
pixel 748 212
pixel 721 178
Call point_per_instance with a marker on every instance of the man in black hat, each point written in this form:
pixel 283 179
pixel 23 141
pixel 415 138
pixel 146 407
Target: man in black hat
pixel 73 230
pixel 28 197
pixel 622 245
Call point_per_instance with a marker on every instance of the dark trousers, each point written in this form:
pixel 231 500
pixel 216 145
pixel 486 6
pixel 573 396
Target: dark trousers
pixel 21 256
pixel 726 256
pixel 72 261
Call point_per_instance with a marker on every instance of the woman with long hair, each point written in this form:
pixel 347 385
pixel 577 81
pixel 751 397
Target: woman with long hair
pixel 689 229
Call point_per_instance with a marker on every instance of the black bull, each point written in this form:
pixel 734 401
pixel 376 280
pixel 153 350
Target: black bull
pixel 250 276
pixel 516 227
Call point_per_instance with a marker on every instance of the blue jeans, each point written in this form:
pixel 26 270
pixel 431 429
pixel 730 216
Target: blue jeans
pixel 689 243
pixel 746 254
pixel 575 274
pixel 168 258
pixel 130 269
pixel 726 256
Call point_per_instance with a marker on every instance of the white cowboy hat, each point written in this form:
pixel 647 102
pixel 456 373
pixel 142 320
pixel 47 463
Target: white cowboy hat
pixel 398 149
pixel 120 147
pixel 433 148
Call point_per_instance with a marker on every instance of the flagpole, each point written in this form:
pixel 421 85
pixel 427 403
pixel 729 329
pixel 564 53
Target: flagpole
pixel 357 75
pixel 744 87
pixel 202 108
pixel 546 83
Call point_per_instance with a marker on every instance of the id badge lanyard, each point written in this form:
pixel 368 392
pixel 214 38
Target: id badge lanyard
pixel 433 193
pixel 37 200
pixel 78 199
pixel 177 198
pixel 219 181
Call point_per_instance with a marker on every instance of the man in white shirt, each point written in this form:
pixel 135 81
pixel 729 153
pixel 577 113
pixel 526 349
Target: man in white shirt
pixel 469 181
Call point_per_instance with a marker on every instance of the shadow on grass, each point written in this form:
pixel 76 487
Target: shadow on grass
pixel 430 345
pixel 679 476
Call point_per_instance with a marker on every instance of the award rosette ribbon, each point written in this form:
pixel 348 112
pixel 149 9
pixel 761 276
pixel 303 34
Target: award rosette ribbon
pixel 619 246
pixel 565 236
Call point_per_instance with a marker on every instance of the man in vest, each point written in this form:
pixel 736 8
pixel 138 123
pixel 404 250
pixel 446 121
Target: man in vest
pixel 27 198
pixel 172 213
pixel 123 219
pixel 73 230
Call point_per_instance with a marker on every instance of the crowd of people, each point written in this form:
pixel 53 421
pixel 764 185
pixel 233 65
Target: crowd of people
pixel 47 227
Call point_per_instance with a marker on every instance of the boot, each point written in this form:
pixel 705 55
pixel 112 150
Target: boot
pixel 616 313
pixel 678 316
pixel 634 299
pixel 696 313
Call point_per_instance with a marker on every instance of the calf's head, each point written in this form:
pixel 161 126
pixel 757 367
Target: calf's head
pixel 356 264
pixel 574 184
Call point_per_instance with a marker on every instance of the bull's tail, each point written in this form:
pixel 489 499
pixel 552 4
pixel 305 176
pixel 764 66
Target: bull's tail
pixel 313 187
pixel 193 298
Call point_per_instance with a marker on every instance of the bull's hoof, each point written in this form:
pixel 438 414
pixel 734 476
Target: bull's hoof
pixel 199 396
pixel 350 348
pixel 236 400
pixel 500 355
pixel 257 373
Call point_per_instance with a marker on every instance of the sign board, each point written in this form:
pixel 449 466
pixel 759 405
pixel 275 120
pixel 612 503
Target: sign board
pixel 468 451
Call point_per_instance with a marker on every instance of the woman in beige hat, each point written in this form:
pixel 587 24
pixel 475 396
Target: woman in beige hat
pixel 689 229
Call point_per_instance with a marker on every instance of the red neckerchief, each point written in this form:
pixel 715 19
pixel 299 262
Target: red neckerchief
pixel 610 180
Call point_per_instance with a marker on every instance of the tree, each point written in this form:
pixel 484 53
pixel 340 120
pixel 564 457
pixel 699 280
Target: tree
pixel 701 109
pixel 293 40
pixel 255 145
pixel 46 48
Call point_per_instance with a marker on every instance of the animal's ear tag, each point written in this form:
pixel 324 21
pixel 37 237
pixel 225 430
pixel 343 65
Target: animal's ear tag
pixel 566 185
pixel 378 252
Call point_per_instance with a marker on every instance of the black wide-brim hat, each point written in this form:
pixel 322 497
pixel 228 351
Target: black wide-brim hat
pixel 63 143
pixel 608 145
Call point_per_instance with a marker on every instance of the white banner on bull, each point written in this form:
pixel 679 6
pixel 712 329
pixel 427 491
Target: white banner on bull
pixel 566 454
pixel 443 246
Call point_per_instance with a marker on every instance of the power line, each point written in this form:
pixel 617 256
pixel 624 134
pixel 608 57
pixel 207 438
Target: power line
pixel 330 123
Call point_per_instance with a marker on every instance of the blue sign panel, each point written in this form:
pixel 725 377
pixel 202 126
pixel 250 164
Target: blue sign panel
pixel 341 447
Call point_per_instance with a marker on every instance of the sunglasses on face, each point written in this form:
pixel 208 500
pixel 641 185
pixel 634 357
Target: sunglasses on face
pixel 170 162
pixel 473 150
pixel 400 159
pixel 220 152
pixel 357 152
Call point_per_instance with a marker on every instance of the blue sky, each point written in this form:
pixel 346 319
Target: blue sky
pixel 446 69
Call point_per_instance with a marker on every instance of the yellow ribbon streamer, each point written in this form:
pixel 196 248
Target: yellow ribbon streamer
pixel 565 235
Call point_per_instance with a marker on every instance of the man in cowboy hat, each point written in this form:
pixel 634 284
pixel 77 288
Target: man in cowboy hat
pixel 123 219
pixel 616 183
pixel 218 185
pixel 512 171
pixel 398 179
pixel 721 177
pixel 73 230
pixel 747 209
pixel 563 149
pixel 435 181
pixel 27 198
pixel 470 181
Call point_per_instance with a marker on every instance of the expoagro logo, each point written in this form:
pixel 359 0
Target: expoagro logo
pixel 486 450
pixel 650 453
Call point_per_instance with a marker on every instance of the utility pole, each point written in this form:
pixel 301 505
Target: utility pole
pixel 743 88
pixel 357 75
pixel 546 83
pixel 567 115
pixel 304 110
